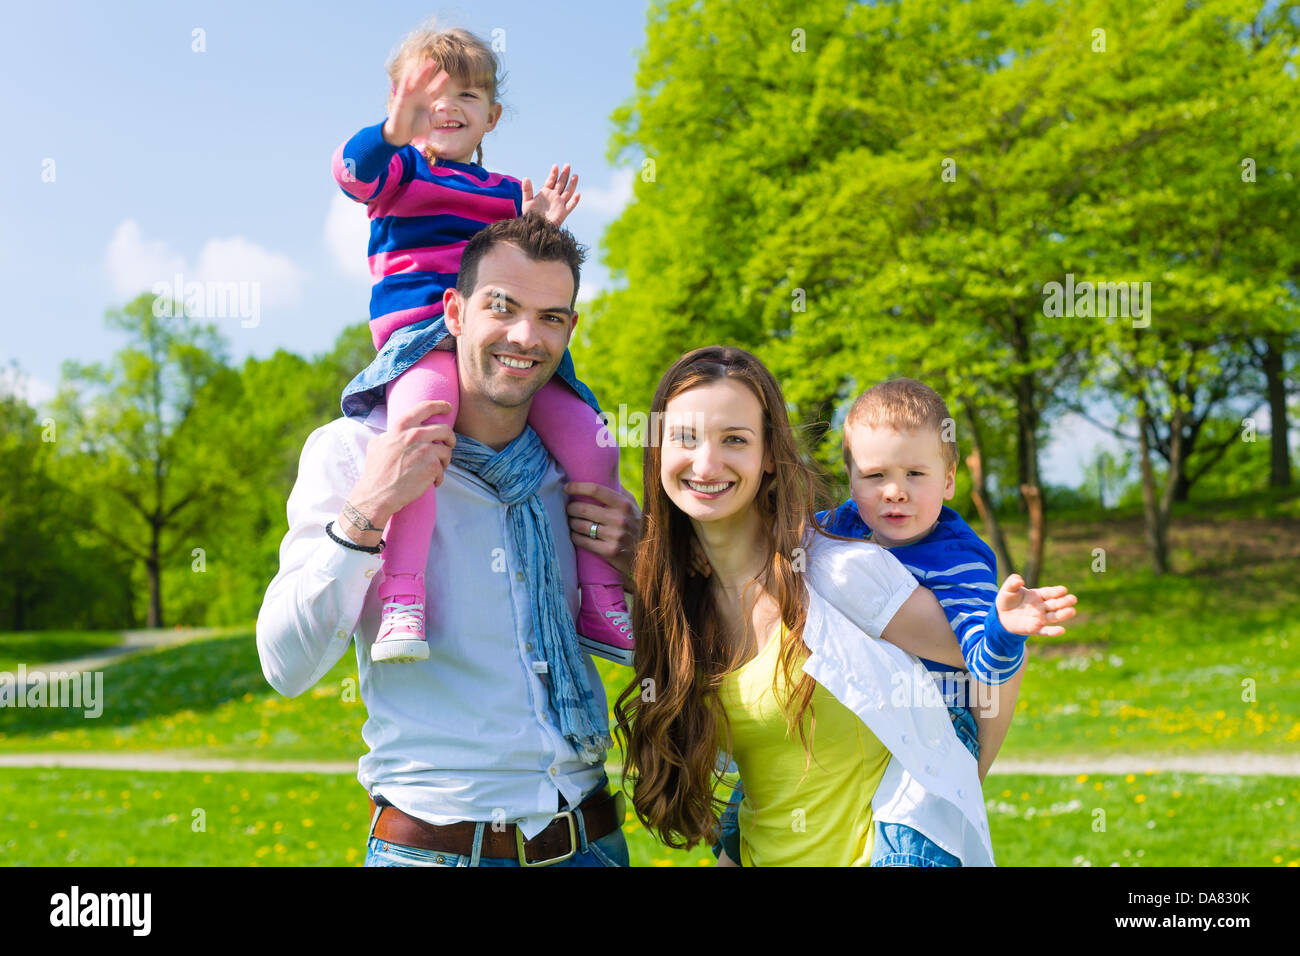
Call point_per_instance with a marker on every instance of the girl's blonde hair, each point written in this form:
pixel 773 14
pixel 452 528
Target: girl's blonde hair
pixel 464 56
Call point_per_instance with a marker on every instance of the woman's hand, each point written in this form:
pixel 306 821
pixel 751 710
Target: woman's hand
pixel 617 519
pixel 410 114
pixel 556 199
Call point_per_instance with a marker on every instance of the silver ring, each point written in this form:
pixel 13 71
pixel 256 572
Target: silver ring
pixel 592 532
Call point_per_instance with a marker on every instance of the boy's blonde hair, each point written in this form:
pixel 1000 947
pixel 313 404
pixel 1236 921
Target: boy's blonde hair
pixel 904 404
pixel 463 55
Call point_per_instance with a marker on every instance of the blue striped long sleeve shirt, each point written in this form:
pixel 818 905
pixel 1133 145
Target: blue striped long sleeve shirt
pixel 961 570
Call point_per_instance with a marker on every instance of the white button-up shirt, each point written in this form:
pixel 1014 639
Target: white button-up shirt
pixel 467 734
pixel 931 782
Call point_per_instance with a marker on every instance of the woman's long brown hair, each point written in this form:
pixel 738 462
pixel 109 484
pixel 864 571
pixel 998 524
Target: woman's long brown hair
pixel 670 719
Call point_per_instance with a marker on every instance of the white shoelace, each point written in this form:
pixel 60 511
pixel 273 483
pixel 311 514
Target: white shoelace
pixel 622 619
pixel 406 616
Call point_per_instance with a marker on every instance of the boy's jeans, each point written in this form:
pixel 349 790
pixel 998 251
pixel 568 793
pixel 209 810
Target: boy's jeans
pixel 895 844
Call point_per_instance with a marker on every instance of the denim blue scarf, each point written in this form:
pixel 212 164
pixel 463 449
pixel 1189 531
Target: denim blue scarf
pixel 515 473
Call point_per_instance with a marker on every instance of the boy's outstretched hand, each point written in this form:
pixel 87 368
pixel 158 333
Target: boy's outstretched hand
pixel 556 199
pixel 1029 611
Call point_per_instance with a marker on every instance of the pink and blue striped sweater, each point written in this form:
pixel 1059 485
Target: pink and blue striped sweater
pixel 421 217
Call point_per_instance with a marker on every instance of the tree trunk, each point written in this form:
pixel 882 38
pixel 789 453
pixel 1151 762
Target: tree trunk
pixel 1279 471
pixel 1156 533
pixel 1031 494
pixel 153 567
pixel 1030 488
pixel 979 494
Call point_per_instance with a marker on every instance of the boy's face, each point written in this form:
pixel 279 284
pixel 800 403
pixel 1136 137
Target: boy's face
pixel 898 481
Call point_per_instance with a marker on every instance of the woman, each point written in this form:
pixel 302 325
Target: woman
pixel 773 658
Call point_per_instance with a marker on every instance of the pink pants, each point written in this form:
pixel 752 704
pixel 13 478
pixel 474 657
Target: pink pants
pixel 567 426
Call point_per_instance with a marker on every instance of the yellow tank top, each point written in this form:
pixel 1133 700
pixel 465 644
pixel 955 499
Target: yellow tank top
pixel 788 818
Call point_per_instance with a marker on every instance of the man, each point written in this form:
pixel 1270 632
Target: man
pixel 491 751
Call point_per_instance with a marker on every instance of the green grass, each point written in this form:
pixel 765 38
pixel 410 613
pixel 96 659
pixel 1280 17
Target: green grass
pixel 117 818
pixel 114 818
pixel 1153 666
pixel 38 647
pixel 1205 662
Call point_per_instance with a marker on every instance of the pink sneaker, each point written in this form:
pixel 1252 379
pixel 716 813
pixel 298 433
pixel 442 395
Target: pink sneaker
pixel 401 634
pixel 604 624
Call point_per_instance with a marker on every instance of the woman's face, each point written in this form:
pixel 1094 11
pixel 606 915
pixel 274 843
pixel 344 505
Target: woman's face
pixel 712 457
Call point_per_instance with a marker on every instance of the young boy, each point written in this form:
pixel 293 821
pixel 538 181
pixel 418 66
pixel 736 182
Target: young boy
pixel 901 456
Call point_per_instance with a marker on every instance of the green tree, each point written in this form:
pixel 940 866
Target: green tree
pixel 154 479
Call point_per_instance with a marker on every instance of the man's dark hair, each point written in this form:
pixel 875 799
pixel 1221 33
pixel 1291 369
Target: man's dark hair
pixel 534 235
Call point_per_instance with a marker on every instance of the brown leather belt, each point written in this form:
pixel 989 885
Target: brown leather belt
pixel 602 813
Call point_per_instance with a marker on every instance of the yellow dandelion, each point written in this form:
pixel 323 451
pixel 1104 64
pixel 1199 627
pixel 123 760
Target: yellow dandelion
pixel 1277 859
pixel 1140 798
pixel 1097 785
pixel 1130 778
pixel 1082 778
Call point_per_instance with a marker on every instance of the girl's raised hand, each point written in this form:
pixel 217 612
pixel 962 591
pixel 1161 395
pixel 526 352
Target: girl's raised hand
pixel 410 115
pixel 1029 611
pixel 557 197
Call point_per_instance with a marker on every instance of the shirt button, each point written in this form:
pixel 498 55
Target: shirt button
pixel 528 646
pixel 961 793
pixel 904 738
pixel 341 635
pixel 441 859
pixel 519 575
pixel 553 771
pixel 930 771
pixel 370 573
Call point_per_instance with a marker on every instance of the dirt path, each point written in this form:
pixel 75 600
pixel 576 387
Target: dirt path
pixel 1242 764
pixel 133 642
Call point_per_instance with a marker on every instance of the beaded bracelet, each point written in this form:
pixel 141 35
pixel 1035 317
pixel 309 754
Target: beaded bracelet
pixel 329 530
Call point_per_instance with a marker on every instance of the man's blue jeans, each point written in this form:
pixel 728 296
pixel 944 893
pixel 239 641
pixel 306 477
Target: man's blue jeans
pixel 609 850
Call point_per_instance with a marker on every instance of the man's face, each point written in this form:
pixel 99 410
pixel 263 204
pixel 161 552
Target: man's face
pixel 898 481
pixel 514 327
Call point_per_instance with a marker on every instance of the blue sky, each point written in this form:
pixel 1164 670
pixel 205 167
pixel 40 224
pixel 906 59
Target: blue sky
pixel 133 158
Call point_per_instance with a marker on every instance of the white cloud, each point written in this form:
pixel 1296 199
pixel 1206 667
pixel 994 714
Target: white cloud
pixel 29 388
pixel 608 201
pixel 347 236
pixel 135 264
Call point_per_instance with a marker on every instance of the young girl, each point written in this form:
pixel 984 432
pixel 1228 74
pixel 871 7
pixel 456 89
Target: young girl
pixel 426 194
pixel 773 658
